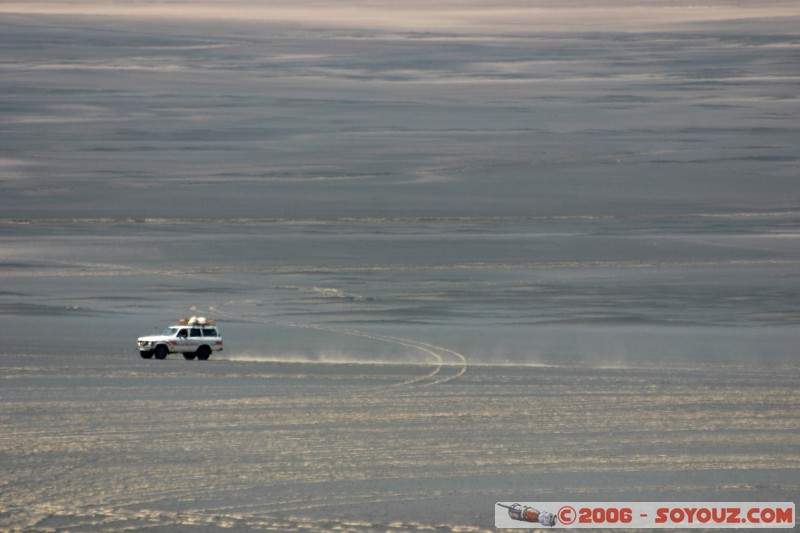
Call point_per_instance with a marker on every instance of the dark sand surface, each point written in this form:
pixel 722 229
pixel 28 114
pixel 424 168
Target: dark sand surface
pixel 460 254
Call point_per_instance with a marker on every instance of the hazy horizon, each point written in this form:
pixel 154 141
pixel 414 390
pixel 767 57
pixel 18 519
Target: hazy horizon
pixel 474 16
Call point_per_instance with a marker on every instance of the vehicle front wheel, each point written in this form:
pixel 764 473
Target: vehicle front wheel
pixel 161 352
pixel 189 356
pixel 203 352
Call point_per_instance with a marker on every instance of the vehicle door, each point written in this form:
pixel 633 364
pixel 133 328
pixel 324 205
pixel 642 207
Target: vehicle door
pixel 181 342
pixel 195 340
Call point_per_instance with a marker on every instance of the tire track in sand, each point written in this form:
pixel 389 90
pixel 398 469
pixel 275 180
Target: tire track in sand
pixel 448 364
pixel 456 360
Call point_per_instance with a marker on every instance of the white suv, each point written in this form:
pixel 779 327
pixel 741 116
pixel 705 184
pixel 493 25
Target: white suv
pixel 193 337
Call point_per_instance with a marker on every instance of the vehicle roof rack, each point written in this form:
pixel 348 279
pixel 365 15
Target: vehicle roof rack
pixel 195 320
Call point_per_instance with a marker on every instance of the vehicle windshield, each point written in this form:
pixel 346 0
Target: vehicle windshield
pixel 170 332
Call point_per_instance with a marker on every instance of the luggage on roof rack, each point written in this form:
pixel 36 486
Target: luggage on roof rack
pixel 191 321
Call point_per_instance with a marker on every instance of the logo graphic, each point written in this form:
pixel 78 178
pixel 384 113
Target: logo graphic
pixel 529 514
pixel 652 515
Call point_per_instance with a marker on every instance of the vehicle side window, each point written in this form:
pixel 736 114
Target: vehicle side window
pixel 209 332
pixel 182 333
pixel 195 332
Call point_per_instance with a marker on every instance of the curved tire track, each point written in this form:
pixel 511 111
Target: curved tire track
pixel 448 364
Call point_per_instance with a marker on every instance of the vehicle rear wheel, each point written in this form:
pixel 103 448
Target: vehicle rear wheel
pixel 189 356
pixel 203 352
pixel 161 352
